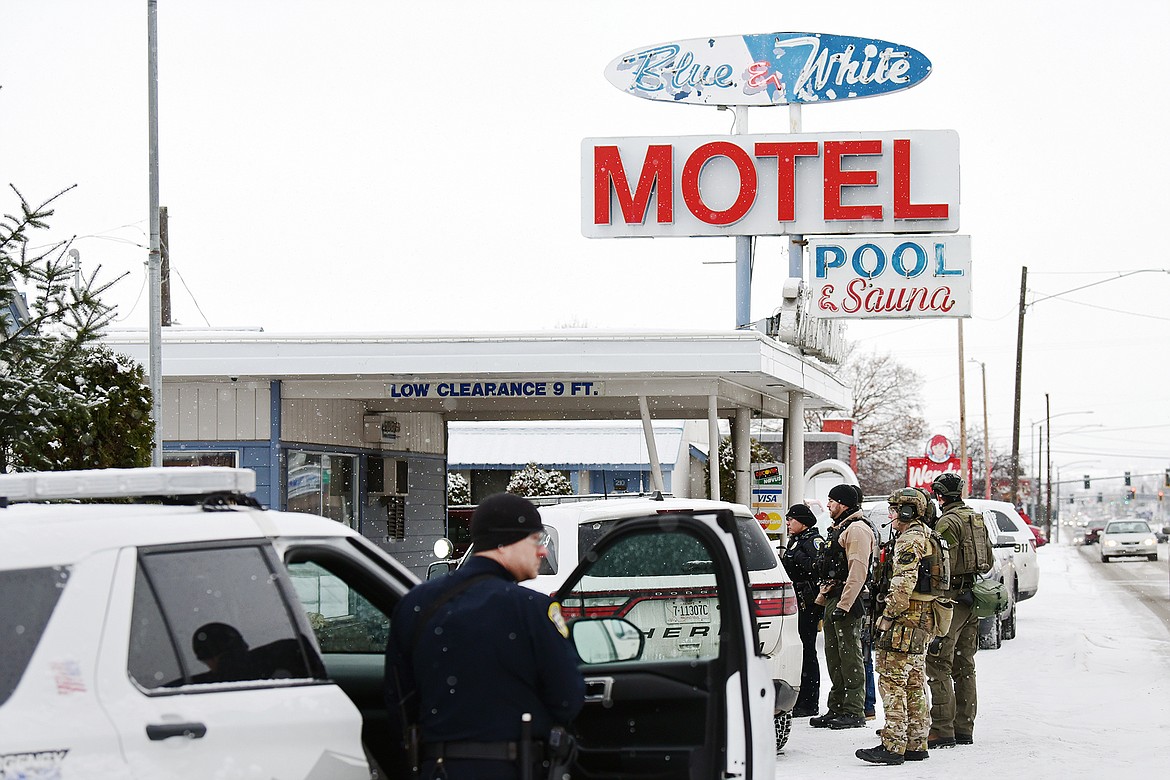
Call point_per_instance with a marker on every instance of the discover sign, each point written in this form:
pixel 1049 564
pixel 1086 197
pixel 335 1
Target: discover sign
pixel 758 185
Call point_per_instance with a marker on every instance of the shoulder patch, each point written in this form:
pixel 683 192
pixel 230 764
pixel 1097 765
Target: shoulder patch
pixel 818 543
pixel 907 557
pixel 558 620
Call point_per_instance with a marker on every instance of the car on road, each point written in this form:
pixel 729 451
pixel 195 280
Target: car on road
pixel 1093 531
pixel 1130 537
pixel 681 618
pixel 183 631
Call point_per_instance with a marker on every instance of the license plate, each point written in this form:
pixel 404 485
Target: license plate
pixel 683 611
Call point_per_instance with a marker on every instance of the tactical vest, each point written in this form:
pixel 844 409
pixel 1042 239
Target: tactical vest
pixel 934 571
pixel 834 563
pixel 972 554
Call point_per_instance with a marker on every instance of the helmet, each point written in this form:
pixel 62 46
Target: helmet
pixel 909 504
pixel 947 485
pixel 931 508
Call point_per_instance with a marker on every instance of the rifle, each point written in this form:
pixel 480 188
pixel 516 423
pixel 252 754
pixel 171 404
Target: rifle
pixel 881 585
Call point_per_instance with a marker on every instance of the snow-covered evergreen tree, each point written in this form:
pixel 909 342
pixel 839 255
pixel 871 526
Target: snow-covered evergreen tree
pixel 458 490
pixel 535 481
pixel 51 382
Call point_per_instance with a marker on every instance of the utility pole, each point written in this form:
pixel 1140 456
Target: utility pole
pixel 165 282
pixel 1019 380
pixel 1048 500
pixel 154 263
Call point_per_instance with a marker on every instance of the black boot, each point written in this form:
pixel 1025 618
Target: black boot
pixel 847 722
pixel 823 721
pixel 964 739
pixel 879 755
pixel 940 742
pixel 916 755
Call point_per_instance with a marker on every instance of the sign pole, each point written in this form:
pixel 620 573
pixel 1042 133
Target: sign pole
pixel 743 250
pixel 962 415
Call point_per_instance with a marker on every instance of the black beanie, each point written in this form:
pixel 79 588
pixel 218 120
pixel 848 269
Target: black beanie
pixel 503 519
pixel 802 514
pixel 848 495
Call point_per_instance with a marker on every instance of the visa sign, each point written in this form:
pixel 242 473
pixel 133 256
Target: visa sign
pixel 909 277
pixel 767 69
pixel 757 185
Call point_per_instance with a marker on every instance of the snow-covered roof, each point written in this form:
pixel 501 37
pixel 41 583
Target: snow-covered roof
pixel 559 445
pixel 675 371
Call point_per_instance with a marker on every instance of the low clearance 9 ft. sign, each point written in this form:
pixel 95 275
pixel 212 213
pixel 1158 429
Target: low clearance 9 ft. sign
pixel 755 185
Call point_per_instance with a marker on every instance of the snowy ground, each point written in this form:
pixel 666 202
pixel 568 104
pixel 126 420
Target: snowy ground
pixel 1082 692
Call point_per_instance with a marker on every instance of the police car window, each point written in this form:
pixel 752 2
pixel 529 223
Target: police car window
pixel 758 553
pixel 549 563
pixel 1003 521
pixel 30 595
pixel 225 616
pixel 153 659
pixel 343 620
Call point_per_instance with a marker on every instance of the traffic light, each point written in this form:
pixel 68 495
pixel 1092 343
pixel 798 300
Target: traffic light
pixel 1159 495
pixel 1167 482
pixel 1100 498
pixel 1086 482
pixel 1128 481
pixel 1130 494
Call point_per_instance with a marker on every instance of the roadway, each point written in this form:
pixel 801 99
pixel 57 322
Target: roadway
pixel 1148 582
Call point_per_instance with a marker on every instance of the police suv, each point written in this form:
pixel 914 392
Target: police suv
pixel 193 634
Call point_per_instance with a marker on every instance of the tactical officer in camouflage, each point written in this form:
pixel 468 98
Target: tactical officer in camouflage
pixel 950 661
pixel 905 627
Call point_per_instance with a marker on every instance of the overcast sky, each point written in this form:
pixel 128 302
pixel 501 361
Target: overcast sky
pixel 394 166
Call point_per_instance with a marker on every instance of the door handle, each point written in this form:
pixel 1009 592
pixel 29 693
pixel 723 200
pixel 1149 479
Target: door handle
pixel 160 731
pixel 598 689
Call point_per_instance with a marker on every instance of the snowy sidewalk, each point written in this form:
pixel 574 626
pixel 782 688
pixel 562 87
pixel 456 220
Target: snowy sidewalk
pixel 1082 692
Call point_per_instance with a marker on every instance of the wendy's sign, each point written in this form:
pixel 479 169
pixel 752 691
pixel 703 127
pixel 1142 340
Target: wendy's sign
pixel 921 472
pixel 769 69
pixel 909 277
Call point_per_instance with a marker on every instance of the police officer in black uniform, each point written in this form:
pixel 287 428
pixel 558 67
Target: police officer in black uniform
pixel 471 654
pixel 802 561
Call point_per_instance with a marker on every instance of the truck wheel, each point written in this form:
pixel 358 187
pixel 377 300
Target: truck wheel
pixel 783 726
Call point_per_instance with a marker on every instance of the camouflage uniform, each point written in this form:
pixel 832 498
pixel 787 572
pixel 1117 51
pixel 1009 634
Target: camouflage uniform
pixel 906 627
pixel 951 664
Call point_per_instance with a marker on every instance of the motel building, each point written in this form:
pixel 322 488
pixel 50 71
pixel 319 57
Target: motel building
pixel 358 427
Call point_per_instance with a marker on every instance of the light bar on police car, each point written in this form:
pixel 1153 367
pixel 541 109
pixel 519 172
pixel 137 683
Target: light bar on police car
pixel 126 483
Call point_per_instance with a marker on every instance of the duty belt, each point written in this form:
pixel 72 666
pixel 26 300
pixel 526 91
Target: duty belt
pixel 481 751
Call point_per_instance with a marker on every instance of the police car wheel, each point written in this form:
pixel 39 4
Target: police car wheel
pixel 989 636
pixel 1007 626
pixel 783 726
